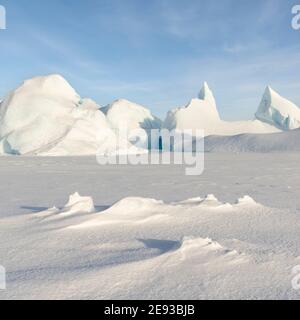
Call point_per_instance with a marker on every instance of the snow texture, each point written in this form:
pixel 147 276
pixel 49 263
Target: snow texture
pixel 287 141
pixel 128 245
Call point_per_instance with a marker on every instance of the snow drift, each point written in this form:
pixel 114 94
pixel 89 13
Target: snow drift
pixel 242 251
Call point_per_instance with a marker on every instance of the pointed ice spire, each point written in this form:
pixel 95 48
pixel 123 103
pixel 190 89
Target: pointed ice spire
pixel 278 111
pixel 269 92
pixel 207 95
pixel 266 101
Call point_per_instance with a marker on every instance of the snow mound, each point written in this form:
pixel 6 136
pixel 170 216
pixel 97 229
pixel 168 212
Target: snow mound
pixel 141 210
pixel 75 205
pixel 246 201
pixel 78 204
pixel 202 114
pixel 190 243
pixel 128 210
pixel 206 251
pixel 124 115
pixel 134 203
pixel 211 198
pixel 210 201
pixel 45 116
pixel 278 111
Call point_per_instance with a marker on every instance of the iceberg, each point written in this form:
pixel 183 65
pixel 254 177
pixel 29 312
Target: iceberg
pixel 201 114
pixel 133 122
pixel 45 116
pixel 278 111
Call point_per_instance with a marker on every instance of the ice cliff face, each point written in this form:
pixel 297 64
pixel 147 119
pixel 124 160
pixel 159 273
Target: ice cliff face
pixel 278 111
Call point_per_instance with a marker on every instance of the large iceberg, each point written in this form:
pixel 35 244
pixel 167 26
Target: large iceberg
pixel 46 116
pixel 278 111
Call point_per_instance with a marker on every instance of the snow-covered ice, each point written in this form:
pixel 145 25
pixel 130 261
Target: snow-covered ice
pixel 137 119
pixel 201 113
pixel 45 116
pixel 150 232
pixel 278 111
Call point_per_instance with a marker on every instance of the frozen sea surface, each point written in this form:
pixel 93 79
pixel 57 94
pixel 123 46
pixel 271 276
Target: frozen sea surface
pixel 272 179
pixel 150 231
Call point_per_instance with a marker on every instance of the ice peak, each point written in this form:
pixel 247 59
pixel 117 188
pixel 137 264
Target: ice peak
pixel 268 88
pixel 207 95
pixel 278 111
pixel 269 92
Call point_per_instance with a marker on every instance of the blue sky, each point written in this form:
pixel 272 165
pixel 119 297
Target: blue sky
pixel 156 52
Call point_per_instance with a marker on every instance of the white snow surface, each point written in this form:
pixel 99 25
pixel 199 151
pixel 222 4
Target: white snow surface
pixel 278 111
pixel 136 237
pixel 287 141
pixel 202 114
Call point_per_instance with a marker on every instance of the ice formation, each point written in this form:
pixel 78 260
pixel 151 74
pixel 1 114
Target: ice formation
pixel 278 111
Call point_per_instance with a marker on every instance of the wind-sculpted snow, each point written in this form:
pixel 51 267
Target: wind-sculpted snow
pixel 278 111
pixel 143 210
pixel 219 246
pixel 75 205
